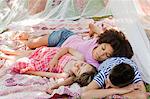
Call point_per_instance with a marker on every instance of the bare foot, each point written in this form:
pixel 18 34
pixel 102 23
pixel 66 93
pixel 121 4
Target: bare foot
pixel 5 57
pixel 8 51
pixel 49 91
pixel 22 36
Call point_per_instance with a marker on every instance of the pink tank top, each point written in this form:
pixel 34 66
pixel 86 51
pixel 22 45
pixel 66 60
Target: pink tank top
pixel 83 46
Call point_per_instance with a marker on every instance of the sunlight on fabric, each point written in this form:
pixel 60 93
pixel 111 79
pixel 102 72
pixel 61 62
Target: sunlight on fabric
pixel 138 8
pixel 30 22
pixel 143 9
pixel 144 6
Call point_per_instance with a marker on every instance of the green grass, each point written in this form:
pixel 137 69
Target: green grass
pixel 148 89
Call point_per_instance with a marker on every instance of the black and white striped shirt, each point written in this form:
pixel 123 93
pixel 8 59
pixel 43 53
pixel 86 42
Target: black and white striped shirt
pixel 107 65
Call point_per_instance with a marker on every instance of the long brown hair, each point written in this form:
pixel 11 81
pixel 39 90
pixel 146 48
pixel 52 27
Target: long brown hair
pixel 118 41
pixel 85 78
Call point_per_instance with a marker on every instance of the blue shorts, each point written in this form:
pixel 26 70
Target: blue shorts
pixel 57 38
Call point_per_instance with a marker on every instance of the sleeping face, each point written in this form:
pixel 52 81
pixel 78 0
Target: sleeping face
pixel 102 52
pixel 81 67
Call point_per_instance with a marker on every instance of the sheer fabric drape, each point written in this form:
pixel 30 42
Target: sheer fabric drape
pixel 35 11
pixel 128 20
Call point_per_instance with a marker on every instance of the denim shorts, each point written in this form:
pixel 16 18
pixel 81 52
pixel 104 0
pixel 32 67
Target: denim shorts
pixel 57 38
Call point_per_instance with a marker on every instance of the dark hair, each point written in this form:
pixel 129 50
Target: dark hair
pixel 119 43
pixel 85 78
pixel 122 75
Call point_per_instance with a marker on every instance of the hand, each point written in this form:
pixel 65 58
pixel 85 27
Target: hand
pixel 55 86
pixel 24 70
pixel 49 91
pixel 52 64
pixel 127 89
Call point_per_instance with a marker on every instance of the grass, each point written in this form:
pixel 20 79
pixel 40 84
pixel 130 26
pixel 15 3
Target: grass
pixel 148 89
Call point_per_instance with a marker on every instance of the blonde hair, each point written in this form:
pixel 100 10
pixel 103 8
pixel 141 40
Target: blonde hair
pixel 85 78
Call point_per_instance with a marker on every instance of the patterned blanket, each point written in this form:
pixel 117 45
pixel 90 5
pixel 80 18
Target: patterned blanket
pixel 20 86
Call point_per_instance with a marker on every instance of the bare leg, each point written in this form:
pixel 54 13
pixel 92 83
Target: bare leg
pixel 8 52
pixel 13 56
pixel 16 52
pixel 6 57
pixel 38 42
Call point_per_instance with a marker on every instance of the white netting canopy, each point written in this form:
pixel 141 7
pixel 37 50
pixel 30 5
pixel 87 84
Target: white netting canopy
pixel 128 20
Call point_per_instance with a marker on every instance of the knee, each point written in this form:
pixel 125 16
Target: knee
pixel 30 44
pixel 38 42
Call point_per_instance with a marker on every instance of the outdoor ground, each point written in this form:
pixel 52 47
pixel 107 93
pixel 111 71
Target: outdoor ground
pixel 148 89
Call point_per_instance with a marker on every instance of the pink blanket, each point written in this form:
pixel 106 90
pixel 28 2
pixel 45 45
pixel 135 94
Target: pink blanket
pixel 26 86
pixel 21 85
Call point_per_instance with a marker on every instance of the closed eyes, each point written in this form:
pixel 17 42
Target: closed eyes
pixel 108 55
pixel 103 47
pixel 79 70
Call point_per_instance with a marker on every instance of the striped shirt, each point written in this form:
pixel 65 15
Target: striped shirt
pixel 107 66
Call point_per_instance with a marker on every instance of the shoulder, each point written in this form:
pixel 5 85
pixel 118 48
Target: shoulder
pixel 100 78
pixel 108 64
pixel 111 62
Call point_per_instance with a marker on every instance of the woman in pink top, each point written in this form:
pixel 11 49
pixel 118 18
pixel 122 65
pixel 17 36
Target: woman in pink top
pixel 109 44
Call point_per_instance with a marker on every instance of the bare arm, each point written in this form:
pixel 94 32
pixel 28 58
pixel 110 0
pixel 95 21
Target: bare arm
pixel 138 93
pixel 17 52
pixel 66 50
pixel 66 82
pixel 62 52
pixel 92 91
